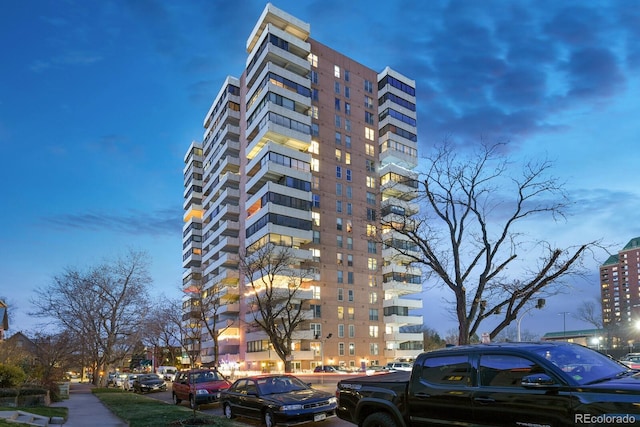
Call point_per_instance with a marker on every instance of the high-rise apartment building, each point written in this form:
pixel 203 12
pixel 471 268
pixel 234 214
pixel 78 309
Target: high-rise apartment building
pixel 620 287
pixel 308 150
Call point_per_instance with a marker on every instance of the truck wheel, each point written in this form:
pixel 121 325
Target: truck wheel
pixel 379 419
pixel 176 400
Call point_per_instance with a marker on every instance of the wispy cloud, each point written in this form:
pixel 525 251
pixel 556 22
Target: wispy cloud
pixel 154 223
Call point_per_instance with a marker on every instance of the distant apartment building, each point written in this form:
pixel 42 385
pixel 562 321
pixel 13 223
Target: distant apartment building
pixel 309 150
pixel 620 287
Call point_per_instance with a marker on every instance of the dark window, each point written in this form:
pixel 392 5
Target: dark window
pixel 447 370
pixel 505 370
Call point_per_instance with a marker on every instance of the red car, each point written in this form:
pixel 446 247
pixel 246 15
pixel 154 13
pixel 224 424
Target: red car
pixel 198 386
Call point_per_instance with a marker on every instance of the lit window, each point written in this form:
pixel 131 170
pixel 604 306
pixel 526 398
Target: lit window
pixel 373 331
pixel 315 253
pixel 369 134
pixel 313 59
pixel 351 314
pixel 314 112
pixel 373 298
pixel 338 155
pixel 315 216
pixel 314 147
pixel 347 158
pixel 352 349
pixel 371 182
pixel 369 150
pixel 315 291
pixel 349 226
pixel 340 313
pixel 315 165
pixel 371 230
pixel 372 264
pixel 336 71
pixel 339 258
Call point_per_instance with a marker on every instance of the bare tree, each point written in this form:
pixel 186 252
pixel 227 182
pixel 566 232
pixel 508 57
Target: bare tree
pixel 205 307
pixel 104 304
pixel 466 237
pixel 276 278
pixel 590 311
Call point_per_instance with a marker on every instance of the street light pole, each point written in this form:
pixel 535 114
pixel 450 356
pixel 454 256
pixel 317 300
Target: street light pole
pixel 564 324
pixel 539 304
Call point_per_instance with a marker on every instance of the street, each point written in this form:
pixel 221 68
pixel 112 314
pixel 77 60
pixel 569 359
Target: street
pixel 325 382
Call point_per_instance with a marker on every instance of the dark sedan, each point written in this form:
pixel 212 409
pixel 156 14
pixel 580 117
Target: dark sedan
pixel 277 400
pixel 149 382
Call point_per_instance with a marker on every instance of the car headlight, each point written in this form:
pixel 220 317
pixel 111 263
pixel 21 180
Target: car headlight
pixel 333 400
pixel 290 407
pixel 202 391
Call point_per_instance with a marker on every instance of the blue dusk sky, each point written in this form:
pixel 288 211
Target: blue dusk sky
pixel 99 101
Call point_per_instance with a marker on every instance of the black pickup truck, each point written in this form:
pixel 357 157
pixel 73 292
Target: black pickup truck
pixel 545 384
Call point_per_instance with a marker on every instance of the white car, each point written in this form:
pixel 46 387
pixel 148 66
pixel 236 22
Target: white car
pixel 128 384
pixel 398 366
pixel 120 380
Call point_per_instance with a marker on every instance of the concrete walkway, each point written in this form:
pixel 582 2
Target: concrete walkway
pixel 85 409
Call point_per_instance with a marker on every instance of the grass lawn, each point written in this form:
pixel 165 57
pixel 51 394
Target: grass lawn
pixel 143 411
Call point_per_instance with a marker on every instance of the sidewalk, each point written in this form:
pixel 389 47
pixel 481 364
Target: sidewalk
pixel 85 409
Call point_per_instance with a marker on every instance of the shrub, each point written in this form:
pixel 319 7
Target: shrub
pixel 11 376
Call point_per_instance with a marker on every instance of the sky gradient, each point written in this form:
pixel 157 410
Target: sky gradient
pixel 100 100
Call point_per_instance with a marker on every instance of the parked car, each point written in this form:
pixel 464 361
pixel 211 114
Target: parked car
pixel 556 384
pixel 120 380
pixel 632 360
pixel 398 366
pixel 330 369
pixel 198 386
pixel 168 373
pixel 277 399
pixel 128 384
pixel 146 383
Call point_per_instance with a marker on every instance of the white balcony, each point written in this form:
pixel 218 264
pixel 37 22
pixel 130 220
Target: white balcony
pixel 397 320
pixel 402 302
pixel 400 337
pixel 401 288
pixel 402 269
